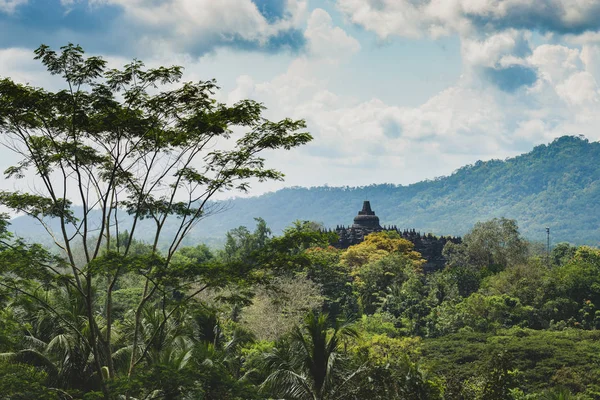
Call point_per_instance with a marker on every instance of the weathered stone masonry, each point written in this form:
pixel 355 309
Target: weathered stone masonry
pixel 367 222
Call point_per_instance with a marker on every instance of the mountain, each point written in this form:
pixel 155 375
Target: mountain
pixel 555 186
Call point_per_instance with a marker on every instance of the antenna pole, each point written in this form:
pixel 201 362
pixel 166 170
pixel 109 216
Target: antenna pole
pixel 548 246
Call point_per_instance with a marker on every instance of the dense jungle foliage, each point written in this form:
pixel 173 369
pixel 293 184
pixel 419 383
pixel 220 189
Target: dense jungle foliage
pixel 122 307
pixel 292 317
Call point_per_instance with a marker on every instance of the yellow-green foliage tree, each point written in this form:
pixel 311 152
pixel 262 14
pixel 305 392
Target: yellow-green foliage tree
pixel 376 246
pixel 382 260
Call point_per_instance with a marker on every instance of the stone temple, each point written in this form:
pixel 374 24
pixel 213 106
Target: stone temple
pixel 366 222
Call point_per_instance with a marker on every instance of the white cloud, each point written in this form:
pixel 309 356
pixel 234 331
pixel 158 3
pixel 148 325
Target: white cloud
pixel 579 89
pixel 327 41
pixel 494 50
pixel 556 62
pixel 512 91
pixel 531 130
pixel 196 25
pixel 19 65
pixel 362 142
pixel 9 6
pixel 327 45
pixel 368 141
pixel 590 56
pixel 416 18
pixel 385 18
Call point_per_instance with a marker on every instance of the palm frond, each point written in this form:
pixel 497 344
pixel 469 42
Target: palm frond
pixel 34 342
pixel 31 357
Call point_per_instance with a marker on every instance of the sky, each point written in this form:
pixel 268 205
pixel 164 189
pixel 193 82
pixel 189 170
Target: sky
pixel 393 91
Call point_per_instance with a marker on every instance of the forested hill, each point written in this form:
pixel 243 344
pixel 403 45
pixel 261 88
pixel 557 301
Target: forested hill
pixel 555 185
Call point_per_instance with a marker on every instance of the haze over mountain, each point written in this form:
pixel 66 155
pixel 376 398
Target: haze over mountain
pixel 555 185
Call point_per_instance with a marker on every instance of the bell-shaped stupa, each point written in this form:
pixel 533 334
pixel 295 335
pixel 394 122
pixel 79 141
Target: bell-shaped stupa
pixel 366 218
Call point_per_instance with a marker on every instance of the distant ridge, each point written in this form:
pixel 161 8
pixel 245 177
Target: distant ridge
pixel 555 185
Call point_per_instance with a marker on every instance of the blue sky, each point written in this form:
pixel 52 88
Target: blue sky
pixel 393 91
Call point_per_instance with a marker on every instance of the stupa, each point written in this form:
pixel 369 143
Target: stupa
pixel 366 222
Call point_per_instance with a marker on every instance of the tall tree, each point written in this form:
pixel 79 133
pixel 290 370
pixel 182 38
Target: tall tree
pixel 496 243
pixel 133 140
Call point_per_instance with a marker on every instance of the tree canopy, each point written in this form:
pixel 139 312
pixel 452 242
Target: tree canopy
pixel 134 140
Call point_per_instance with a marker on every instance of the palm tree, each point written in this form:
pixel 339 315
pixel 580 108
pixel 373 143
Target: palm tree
pixel 57 342
pixel 310 364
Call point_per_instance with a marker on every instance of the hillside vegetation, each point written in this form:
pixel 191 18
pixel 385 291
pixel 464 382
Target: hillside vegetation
pixel 555 185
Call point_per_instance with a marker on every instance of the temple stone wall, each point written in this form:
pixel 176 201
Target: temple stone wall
pixel 367 222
